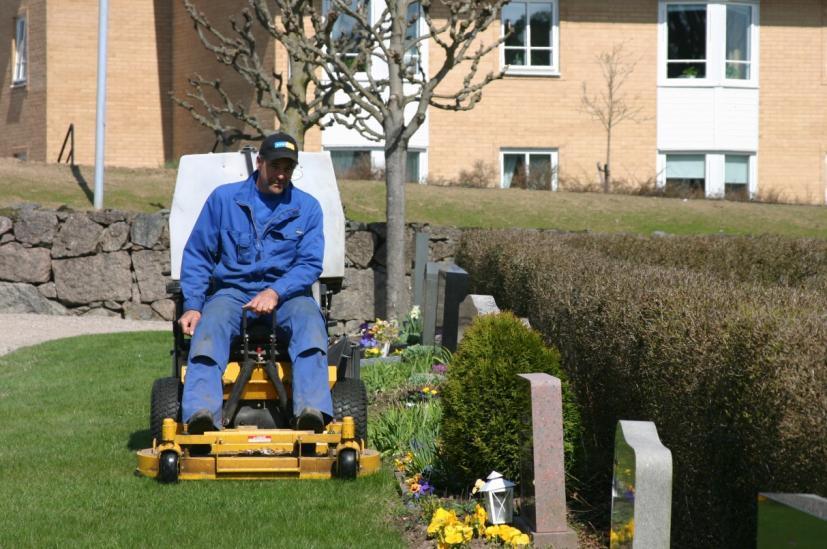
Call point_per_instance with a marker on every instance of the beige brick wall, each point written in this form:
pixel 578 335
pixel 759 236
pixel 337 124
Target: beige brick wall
pixel 191 57
pixel 23 108
pixel 545 112
pixel 793 101
pixel 138 52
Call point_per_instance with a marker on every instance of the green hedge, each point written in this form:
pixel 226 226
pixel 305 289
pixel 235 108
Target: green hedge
pixel 486 404
pixel 732 372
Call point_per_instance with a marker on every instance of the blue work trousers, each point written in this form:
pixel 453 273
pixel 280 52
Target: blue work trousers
pixel 298 319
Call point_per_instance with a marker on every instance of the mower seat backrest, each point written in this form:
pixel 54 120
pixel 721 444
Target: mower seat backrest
pixel 200 174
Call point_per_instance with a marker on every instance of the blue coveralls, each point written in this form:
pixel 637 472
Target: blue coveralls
pixel 226 262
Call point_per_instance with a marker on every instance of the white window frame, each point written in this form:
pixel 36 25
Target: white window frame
pixel 371 18
pixel 715 46
pixel 20 67
pixel 553 153
pixel 714 171
pixel 527 70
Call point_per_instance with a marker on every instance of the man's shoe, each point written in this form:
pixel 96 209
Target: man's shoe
pixel 201 422
pixel 310 419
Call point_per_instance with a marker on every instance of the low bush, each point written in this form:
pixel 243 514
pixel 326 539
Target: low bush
pixel 732 372
pixel 486 404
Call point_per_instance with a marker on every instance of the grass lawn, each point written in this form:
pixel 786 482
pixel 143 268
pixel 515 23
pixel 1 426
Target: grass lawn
pixel 151 189
pixel 75 410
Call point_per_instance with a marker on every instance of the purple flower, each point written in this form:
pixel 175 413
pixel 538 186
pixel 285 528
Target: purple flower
pixel 425 489
pixel 367 341
pixel 439 368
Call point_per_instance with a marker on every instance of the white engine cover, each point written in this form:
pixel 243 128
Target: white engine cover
pixel 199 174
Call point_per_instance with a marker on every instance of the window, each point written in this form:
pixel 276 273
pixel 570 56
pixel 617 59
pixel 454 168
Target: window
pixel 736 176
pixel 412 55
pixel 686 40
pixel 351 164
pixel 531 37
pixel 529 170
pixel 738 41
pixel 347 35
pixel 685 174
pixel 715 41
pixel 412 167
pixel 20 52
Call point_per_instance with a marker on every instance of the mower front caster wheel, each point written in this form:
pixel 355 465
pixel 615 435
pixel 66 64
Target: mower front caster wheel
pixel 168 467
pixel 347 464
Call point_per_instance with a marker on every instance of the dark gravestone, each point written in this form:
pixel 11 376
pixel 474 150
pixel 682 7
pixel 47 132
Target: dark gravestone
pixel 454 282
pixel 420 260
pixel 543 475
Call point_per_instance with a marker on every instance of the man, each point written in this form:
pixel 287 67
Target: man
pixel 258 245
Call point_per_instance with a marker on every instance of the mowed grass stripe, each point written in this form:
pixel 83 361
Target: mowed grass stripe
pixel 74 412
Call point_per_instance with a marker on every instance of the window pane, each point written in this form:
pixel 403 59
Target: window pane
pixel 737 169
pixel 539 171
pixel 686 70
pixel 513 170
pixel 346 32
pixel 514 21
pixel 685 166
pixel 351 164
pixel 738 21
pixel 412 167
pixel 514 57
pixel 686 25
pixel 541 57
pixel 540 16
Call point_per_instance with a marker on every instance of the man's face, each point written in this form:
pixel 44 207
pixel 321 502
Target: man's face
pixel 274 176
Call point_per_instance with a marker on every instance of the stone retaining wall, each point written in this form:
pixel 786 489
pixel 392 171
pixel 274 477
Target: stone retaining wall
pixel 113 263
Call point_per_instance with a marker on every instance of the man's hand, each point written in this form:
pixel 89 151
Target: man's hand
pixel 188 321
pixel 265 302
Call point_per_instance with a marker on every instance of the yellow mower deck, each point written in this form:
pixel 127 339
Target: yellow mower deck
pixel 251 453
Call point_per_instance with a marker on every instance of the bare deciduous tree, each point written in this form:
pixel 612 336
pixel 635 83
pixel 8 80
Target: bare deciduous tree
pixel 611 105
pixel 294 102
pixel 364 74
pixel 392 91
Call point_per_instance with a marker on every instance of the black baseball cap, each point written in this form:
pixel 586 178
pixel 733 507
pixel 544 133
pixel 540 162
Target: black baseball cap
pixel 279 145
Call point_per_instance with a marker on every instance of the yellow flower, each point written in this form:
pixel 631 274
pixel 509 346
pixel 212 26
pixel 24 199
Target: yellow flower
pixel 440 519
pixel 453 534
pixel 491 532
pixel 520 540
pixel 508 532
pixel 415 487
pixel 613 537
pixel 477 486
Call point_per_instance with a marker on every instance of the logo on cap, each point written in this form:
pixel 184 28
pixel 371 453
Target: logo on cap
pixel 284 145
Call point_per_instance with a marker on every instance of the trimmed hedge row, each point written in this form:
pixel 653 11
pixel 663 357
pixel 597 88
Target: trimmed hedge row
pixel 733 373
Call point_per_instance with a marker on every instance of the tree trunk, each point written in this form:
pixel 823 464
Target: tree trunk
pixel 395 153
pixel 607 178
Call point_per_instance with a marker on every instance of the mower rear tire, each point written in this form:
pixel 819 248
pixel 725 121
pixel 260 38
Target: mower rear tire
pixel 350 398
pixel 168 467
pixel 165 403
pixel 347 464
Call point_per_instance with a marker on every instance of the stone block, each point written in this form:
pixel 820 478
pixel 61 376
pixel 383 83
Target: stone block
pixel 147 229
pixel 165 308
pixel 101 311
pixel 35 226
pixel 78 236
pixel 19 264
pixel 48 290
pixel 6 224
pixel 359 248
pixel 107 217
pixel 114 237
pixel 24 298
pixel 6 238
pixel 641 487
pixel 150 266
pixel 99 277
pixel 543 475
pixel 138 311
pixel 356 300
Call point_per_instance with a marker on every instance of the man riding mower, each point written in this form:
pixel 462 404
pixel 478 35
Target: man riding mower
pixel 241 403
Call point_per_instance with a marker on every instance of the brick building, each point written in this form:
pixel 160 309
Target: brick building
pixel 732 96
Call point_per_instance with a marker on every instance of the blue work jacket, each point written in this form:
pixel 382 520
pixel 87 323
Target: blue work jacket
pixel 226 250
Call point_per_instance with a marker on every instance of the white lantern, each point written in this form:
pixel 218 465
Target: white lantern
pixel 499 498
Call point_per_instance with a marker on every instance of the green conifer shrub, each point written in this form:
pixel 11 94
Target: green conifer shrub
pixel 486 405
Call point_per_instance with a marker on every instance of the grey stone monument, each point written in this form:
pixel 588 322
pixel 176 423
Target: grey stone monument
pixel 543 475
pixel 420 259
pixel 472 306
pixel 791 520
pixel 641 488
